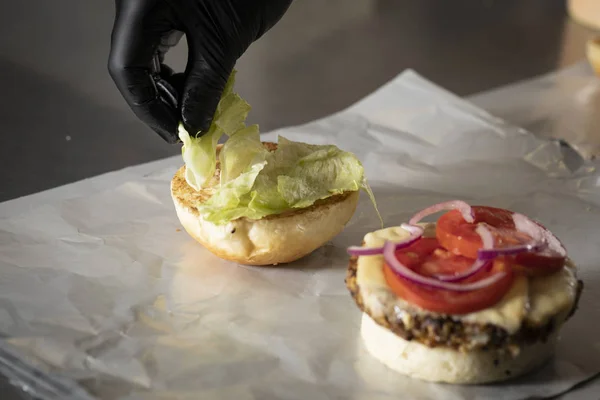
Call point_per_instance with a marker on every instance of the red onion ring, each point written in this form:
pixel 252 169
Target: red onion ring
pixel 522 225
pixel 541 239
pixel 532 246
pixel 464 208
pixel 539 234
pixel 389 253
pixel 364 251
pixel 415 234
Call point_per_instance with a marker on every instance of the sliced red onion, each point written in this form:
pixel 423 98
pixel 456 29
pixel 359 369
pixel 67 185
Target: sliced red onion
pixel 532 246
pixel 414 230
pixel 522 225
pixel 389 252
pixel 464 208
pixel 415 234
pixel 541 240
pixel 487 239
pixel 479 264
pixel 364 251
pixel 539 234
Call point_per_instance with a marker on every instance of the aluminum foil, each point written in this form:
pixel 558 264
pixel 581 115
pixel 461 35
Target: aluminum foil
pixel 103 295
pixel 563 105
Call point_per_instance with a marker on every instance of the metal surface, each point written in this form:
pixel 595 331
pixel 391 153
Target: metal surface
pixel 62 120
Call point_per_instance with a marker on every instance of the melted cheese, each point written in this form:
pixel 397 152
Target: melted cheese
pixel 532 300
pixel 552 295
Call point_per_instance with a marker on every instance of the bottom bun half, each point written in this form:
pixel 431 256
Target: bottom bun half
pixel 276 239
pixel 446 365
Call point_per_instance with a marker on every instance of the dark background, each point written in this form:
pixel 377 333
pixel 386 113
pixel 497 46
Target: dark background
pixel 62 120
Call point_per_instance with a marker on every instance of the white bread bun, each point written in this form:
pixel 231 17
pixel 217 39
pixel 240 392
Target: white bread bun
pixel 276 239
pixel 447 365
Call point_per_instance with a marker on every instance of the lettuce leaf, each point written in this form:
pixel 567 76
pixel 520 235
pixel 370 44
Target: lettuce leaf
pixel 231 200
pixel 254 182
pixel 365 186
pixel 298 174
pixel 240 152
pixel 295 175
pixel 266 198
pixel 199 156
pixel 325 172
pixel 199 153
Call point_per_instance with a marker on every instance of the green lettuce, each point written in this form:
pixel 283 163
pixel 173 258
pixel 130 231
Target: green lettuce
pixel 266 198
pixel 324 172
pixel 240 152
pixel 199 153
pixel 231 200
pixel 254 182
pixel 295 175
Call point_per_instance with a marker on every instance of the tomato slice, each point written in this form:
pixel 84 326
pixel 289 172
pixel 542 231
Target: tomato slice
pixel 540 264
pixel 428 258
pixel 460 238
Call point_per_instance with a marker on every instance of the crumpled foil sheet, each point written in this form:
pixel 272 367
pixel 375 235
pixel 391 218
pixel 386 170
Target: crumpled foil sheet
pixel 562 105
pixel 103 295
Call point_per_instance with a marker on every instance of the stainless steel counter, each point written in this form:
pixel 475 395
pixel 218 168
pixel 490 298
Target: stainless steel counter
pixel 62 120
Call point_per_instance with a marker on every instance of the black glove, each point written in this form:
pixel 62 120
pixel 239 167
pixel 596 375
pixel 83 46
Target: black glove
pixel 218 32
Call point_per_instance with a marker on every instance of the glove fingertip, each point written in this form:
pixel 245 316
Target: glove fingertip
pixel 198 110
pixel 195 125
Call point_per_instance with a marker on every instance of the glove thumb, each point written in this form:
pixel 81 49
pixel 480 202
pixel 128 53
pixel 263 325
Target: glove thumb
pixel 205 80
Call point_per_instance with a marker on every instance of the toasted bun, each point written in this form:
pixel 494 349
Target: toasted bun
pixel 276 239
pixel 447 365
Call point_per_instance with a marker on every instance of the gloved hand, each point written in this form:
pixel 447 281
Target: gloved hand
pixel 218 32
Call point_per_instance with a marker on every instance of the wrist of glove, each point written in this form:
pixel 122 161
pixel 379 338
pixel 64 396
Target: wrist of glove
pixel 218 32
